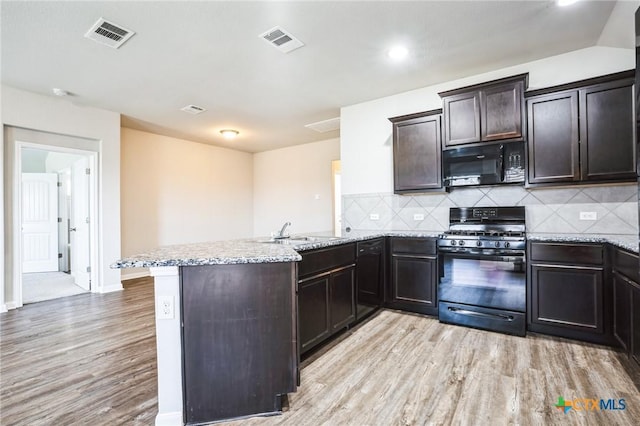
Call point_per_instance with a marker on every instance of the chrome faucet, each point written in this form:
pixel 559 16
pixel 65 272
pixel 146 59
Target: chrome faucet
pixel 281 233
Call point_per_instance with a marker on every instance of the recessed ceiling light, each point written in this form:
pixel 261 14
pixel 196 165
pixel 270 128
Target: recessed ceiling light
pixel 566 2
pixel 398 53
pixel 229 133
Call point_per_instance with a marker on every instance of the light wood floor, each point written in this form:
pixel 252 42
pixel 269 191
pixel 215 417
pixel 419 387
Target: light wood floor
pixel 90 359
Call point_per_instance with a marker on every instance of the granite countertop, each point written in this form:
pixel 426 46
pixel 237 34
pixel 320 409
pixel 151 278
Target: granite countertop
pixel 264 250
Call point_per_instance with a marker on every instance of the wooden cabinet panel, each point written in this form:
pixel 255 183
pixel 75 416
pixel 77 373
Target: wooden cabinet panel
pixel 316 261
pixel 567 297
pixel 553 138
pixel 501 111
pixel 369 277
pixel 461 118
pixel 570 254
pixel 417 152
pixel 342 310
pixel 419 246
pixel 622 310
pixel 635 323
pixel 313 311
pixel 607 131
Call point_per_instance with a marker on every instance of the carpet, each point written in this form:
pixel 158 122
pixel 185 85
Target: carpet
pixel 40 286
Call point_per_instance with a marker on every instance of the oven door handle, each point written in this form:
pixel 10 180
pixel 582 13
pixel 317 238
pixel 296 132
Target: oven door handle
pixel 512 257
pixel 480 314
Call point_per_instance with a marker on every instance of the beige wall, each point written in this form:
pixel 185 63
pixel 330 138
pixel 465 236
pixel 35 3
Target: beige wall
pixel 28 110
pixel 176 191
pixel 286 182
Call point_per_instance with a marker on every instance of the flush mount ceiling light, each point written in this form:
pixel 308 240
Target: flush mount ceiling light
pixel 566 2
pixel 229 133
pixel 59 92
pixel 398 53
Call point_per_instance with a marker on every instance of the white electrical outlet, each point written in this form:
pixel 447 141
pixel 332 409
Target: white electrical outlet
pixel 374 216
pixel 588 215
pixel 418 216
pixel 165 308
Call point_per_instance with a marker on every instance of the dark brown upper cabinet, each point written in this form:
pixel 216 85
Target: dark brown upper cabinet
pixel 486 112
pixel 582 132
pixel 417 152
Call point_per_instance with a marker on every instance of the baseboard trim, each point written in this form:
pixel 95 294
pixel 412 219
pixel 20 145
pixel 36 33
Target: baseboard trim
pixel 3 308
pixel 169 419
pixel 11 305
pixel 111 288
pixel 134 275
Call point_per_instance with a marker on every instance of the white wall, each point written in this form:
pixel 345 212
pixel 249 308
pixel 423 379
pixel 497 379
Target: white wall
pixel 175 191
pixel 61 116
pixel 365 135
pixel 286 182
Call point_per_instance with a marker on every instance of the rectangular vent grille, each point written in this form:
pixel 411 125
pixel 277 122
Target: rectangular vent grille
pixel 281 39
pixel 108 33
pixel 193 109
pixel 325 125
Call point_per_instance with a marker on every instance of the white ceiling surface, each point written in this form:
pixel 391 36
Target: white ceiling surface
pixel 209 54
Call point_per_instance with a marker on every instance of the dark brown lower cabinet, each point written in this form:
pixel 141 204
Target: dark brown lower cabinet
pixel 635 323
pixel 622 291
pixel 370 272
pixel 567 293
pixel 326 293
pixel 414 275
pixel 626 301
pixel 238 339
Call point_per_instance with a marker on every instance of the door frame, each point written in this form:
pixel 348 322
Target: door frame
pixel 92 158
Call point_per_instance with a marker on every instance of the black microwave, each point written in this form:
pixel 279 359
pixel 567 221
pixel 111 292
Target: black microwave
pixel 484 165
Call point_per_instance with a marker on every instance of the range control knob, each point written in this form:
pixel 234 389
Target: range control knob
pixel 479 243
pixel 497 243
pixel 461 243
pixel 507 245
pixel 453 242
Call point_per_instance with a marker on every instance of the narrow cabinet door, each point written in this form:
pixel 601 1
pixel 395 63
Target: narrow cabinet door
pixel 553 138
pixel 461 118
pixel 414 279
pixel 313 311
pixel 607 127
pixel 342 301
pixel 501 111
pixel 622 310
pixel 635 323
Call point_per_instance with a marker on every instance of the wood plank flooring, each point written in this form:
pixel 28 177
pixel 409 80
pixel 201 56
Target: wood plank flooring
pixel 90 359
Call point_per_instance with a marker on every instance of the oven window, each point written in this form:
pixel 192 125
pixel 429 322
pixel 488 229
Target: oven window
pixel 493 282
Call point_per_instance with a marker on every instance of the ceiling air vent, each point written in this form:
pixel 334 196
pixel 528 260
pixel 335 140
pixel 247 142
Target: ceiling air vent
pixel 108 33
pixel 193 109
pixel 325 126
pixel 282 40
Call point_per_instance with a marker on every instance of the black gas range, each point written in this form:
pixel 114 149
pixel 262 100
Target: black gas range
pixel 482 269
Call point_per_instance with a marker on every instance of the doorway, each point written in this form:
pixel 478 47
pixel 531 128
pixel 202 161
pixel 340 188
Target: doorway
pixel 55 206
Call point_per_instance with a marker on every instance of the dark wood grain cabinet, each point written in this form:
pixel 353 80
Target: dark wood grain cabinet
pixel 417 152
pixel 626 301
pixel 326 293
pixel 370 273
pixel 487 112
pixel 567 292
pixel 582 132
pixel 414 275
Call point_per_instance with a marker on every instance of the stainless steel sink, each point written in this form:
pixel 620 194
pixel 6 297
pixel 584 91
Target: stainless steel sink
pixel 299 239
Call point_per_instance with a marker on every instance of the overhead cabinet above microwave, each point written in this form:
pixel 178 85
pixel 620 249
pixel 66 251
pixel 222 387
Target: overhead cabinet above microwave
pixel 487 112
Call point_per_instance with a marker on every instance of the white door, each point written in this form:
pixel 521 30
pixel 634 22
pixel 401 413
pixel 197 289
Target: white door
pixel 39 222
pixel 79 229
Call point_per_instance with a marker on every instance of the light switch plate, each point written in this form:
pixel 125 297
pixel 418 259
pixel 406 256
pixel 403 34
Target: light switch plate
pixel 418 216
pixel 588 215
pixel 374 216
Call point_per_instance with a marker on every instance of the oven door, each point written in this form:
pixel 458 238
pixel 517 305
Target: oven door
pixel 490 281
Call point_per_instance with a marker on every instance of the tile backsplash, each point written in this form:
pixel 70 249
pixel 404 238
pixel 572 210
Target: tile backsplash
pixel 547 210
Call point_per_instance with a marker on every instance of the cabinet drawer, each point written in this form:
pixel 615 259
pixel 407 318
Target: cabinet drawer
pixel 572 254
pixel 426 246
pixel 316 261
pixel 625 263
pixel 371 246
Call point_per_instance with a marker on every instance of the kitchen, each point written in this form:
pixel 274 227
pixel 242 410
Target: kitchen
pixel 367 167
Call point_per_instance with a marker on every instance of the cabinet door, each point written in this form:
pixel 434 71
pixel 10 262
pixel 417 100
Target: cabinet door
pixel 553 138
pixel 501 111
pixel 607 132
pixel 313 311
pixel 567 297
pixel 622 310
pixel 461 118
pixel 414 280
pixel 369 275
pixel 635 323
pixel 342 311
pixel 417 153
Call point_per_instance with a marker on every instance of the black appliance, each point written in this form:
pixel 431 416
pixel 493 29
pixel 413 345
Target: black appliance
pixel 482 260
pixel 484 165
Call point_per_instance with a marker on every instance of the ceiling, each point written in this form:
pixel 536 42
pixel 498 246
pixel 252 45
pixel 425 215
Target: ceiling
pixel 209 53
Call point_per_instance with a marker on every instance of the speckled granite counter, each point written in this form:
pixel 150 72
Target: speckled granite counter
pixel 627 242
